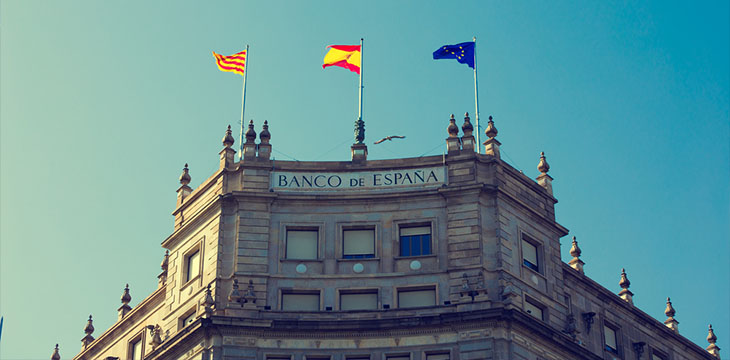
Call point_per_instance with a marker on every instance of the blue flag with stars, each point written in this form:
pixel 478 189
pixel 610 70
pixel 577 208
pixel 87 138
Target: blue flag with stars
pixel 463 53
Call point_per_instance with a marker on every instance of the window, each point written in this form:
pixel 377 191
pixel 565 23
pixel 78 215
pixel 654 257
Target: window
pixel 357 357
pixel 278 358
pixel 534 309
pixel 301 244
pixel 135 349
pixel 416 298
pixel 657 356
pixel 300 301
pixel 358 244
pixel 529 255
pixel 192 265
pixel 317 357
pixel 187 319
pixel 397 357
pixel 443 356
pixel 415 240
pixel 359 300
pixel 609 335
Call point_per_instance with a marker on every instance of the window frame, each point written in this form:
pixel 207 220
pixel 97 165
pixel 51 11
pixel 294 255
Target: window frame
pixel 182 320
pixel 409 225
pixel 369 226
pixel 288 228
pixel 538 305
pixel 428 354
pixel 539 257
pixel 138 338
pixel 185 273
pixel 283 292
pixel 398 356
pixel 432 287
pixel 660 354
pixel 358 291
pixel 616 336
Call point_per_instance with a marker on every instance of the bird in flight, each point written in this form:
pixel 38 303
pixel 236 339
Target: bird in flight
pixel 389 138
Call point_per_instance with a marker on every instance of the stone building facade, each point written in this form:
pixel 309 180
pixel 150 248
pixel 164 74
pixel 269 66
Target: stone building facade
pixel 431 258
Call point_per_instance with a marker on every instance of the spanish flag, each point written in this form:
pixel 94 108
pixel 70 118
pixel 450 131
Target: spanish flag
pixel 234 63
pixel 346 56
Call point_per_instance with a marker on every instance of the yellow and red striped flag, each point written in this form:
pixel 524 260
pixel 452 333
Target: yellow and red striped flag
pixel 346 56
pixel 234 63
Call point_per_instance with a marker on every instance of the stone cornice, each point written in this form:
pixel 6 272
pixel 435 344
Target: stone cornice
pixel 607 295
pixel 212 206
pixel 390 327
pixel 202 188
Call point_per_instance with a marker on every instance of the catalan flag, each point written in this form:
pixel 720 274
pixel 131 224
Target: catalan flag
pixel 346 56
pixel 234 63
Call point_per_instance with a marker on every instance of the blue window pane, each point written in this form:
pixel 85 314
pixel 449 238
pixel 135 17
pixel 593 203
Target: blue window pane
pixel 415 245
pixel 405 246
pixel 426 240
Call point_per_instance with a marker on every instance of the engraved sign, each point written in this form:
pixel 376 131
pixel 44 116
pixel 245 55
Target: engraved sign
pixel 358 180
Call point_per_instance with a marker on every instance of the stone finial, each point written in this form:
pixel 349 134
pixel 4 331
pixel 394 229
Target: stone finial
pixel 576 262
pixel 235 296
pixel 56 355
pixel 711 338
pixel 491 130
pixel 228 139
pixel 671 322
pixel 544 179
pixel 250 133
pixel 265 135
pixel 467 127
pixel 185 177
pixel 125 308
pixel 453 143
pixel 625 293
pixel 543 166
pixel 88 329
pixel 265 147
pixel 208 302
pixel 491 146
pixel 453 130
pixel 467 140
pixel 126 298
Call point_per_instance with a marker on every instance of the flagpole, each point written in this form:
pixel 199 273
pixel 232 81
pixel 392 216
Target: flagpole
pixel 243 102
pixel 476 94
pixel 359 116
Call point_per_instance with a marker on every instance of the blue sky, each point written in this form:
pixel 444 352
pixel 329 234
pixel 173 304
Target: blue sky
pixel 101 104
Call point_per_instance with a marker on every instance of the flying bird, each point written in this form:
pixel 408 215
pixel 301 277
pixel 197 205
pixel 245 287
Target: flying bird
pixel 389 138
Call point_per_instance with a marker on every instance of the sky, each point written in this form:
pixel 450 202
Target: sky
pixel 103 102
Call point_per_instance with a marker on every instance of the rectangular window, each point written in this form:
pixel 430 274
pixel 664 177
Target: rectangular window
pixel 609 335
pixel 357 357
pixel 533 310
pixel 317 357
pixel 135 349
pixel 358 244
pixel 655 356
pixel 397 357
pixel 529 255
pixel 187 320
pixel 359 301
pixel 192 266
pixel 300 301
pixel 416 298
pixel 301 244
pixel 444 356
pixel 278 358
pixel 415 240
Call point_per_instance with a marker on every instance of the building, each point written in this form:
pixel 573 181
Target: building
pixel 439 257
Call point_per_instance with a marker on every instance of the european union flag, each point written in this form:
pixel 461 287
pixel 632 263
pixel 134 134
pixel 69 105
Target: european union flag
pixel 463 53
